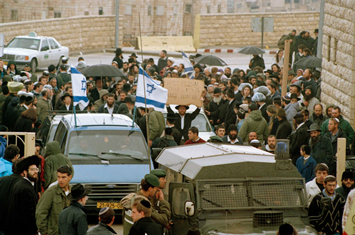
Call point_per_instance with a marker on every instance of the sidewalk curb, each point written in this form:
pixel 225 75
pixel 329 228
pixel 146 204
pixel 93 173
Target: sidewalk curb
pixel 271 52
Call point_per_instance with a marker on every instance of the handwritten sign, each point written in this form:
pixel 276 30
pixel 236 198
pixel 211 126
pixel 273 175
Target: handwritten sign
pixel 184 91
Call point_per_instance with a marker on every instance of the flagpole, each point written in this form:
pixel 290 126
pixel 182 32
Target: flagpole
pixel 74 114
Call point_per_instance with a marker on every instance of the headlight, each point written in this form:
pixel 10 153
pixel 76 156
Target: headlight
pixel 21 57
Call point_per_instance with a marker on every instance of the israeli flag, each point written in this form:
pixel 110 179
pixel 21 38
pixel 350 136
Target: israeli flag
pixel 189 69
pixel 156 96
pixel 79 89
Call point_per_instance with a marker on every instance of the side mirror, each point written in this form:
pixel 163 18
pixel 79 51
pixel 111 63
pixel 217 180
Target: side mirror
pixel 189 208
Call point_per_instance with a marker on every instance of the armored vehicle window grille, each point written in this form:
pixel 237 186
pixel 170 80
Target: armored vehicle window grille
pixel 251 193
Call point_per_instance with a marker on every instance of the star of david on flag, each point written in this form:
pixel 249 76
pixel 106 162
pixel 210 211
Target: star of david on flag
pixel 156 95
pixel 79 89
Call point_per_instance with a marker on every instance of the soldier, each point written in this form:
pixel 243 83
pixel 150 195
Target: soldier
pixel 149 187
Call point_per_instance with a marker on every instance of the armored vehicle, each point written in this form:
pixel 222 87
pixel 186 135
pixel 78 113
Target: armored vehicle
pixel 232 189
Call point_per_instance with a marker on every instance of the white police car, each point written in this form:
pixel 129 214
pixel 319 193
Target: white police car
pixel 37 51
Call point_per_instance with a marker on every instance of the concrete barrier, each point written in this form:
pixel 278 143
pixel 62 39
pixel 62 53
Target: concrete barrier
pixel 169 43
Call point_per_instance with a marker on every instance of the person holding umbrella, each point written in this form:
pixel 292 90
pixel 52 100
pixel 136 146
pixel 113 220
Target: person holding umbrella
pixel 256 61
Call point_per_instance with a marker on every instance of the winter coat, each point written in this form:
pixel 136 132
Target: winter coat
pixel 11 114
pixel 189 117
pixel 220 113
pixel 315 46
pixel 298 138
pixel 343 124
pixel 257 61
pixel 225 140
pixel 5 167
pixel 326 216
pixel 119 61
pixel 230 116
pixel 306 170
pixel 145 226
pixel 2 102
pixel 284 129
pixel 343 192
pixel 309 41
pixel 156 124
pixel 322 151
pixel 63 78
pixel 52 202
pixel 104 109
pixel 312 189
pixel 101 229
pixel 21 218
pixel 291 111
pixel 161 64
pixel 53 160
pixel 292 44
pixel 3 144
pixel 312 103
pixel 341 134
pixel 254 123
pixel 43 106
pixel 298 41
pixel 317 119
pixel 72 220
pixel 298 57
pixel 6 185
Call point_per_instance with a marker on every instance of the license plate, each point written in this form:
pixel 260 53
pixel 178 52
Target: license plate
pixel 5 62
pixel 113 205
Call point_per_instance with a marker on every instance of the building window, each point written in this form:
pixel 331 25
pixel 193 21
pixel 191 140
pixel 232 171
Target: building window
pixel 86 13
pixel 101 11
pixel 150 10
pixel 57 14
pixel 208 9
pixel 160 10
pixel 128 10
pixel 329 46
pixel 14 15
pixel 219 8
pixel 335 50
pixel 188 8
pixel 230 6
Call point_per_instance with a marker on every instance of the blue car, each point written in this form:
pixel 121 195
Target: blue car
pixel 108 153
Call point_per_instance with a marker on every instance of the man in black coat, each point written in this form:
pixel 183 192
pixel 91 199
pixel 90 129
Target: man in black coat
pixel 256 61
pixel 118 58
pixel 163 61
pixel 110 106
pixel 184 120
pixel 21 219
pixel 298 138
pixel 214 105
pixel 230 116
pixel 72 220
pixel 6 185
pixel 143 223
pixel 170 122
pixel 284 129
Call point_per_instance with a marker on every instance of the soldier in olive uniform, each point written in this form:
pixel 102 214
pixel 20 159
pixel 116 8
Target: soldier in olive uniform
pixel 160 209
pixel 63 77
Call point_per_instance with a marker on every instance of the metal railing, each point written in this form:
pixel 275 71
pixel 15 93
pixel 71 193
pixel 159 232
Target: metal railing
pixel 28 139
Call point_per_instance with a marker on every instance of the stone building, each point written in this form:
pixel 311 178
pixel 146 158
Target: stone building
pixel 338 66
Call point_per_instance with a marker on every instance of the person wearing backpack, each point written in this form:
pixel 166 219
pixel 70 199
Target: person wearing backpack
pixel 161 142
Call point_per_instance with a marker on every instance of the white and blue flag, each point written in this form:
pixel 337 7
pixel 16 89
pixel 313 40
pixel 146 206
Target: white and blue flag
pixel 189 69
pixel 156 96
pixel 79 89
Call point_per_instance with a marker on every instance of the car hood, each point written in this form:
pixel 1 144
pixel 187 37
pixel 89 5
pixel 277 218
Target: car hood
pixel 19 51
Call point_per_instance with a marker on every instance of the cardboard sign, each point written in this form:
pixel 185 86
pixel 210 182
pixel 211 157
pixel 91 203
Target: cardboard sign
pixel 184 91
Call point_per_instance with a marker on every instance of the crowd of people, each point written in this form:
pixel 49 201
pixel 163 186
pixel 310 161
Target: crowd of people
pixel 243 108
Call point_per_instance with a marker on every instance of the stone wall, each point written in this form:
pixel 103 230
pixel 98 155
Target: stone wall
pixel 338 67
pixel 235 29
pixel 77 33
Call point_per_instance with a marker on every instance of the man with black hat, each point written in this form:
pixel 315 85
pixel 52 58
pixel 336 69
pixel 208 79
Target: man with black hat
pixel 72 220
pixel 14 88
pixel 67 103
pixel 22 206
pixel 53 201
pixel 143 223
pixel 232 137
pixel 184 120
pixel 216 102
pixel 298 137
pixel 347 184
pixel 284 129
pixel 134 57
pixel 106 219
pixel 230 117
pixel 170 122
pixel 118 58
pixel 322 150
pixel 63 77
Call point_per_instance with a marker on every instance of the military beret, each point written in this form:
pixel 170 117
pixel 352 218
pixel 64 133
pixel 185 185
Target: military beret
pixel 215 139
pixel 158 173
pixel 152 180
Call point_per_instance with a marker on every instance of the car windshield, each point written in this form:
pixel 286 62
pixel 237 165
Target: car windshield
pixel 25 43
pixel 114 146
pixel 200 122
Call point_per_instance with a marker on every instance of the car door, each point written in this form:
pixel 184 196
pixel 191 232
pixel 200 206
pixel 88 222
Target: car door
pixel 179 193
pixel 56 51
pixel 44 58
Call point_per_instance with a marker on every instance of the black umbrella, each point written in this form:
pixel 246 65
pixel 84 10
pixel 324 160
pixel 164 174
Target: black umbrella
pixel 310 62
pixel 210 60
pixel 102 70
pixel 251 51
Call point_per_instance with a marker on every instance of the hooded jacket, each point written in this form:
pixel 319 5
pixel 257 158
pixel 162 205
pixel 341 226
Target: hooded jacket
pixel 254 123
pixel 11 114
pixel 291 111
pixel 100 101
pixel 344 125
pixel 53 160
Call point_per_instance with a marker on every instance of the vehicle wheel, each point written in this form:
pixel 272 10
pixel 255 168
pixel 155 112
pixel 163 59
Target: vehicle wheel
pixel 33 65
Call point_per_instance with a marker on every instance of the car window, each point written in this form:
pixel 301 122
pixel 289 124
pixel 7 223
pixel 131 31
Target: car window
pixel 53 44
pixel 59 133
pixel 25 43
pixel 45 46
pixel 201 123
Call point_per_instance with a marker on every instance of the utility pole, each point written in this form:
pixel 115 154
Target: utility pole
pixel 320 30
pixel 117 27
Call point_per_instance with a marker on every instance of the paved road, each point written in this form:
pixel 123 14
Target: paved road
pixel 233 60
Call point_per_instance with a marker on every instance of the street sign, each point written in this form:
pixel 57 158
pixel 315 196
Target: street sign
pixel 257 22
pixel 2 42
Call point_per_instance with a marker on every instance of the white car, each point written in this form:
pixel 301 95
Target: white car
pixel 36 51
